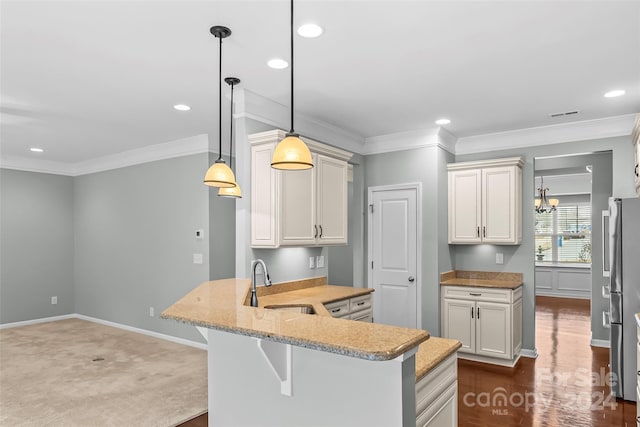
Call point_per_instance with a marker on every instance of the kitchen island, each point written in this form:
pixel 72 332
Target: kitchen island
pixel 277 367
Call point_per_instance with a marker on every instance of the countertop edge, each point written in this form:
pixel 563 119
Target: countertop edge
pixel 481 284
pixel 310 344
pixel 424 370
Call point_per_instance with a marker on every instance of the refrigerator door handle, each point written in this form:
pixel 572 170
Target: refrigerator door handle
pixel 606 322
pixel 615 245
pixel 605 291
pixel 605 244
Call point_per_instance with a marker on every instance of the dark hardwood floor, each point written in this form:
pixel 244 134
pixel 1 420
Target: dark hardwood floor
pixel 566 385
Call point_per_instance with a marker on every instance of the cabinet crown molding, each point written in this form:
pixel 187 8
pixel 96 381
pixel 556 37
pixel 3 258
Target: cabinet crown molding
pixel 508 161
pixel 277 135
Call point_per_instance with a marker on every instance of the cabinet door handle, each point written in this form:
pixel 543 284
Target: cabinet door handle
pixel 635 171
pixel 320 230
pixel 336 310
pixel 484 231
pixel 315 236
pixel 478 231
pixel 478 313
pixel 472 312
pixel 475 294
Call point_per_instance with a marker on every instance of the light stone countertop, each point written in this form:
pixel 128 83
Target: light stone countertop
pixel 220 305
pixel 432 352
pixel 317 296
pixel 484 279
pixel 638 319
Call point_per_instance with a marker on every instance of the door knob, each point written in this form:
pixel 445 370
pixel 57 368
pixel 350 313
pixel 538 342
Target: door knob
pixel 411 278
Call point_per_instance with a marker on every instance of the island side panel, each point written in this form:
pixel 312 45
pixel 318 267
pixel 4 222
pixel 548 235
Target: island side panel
pixel 327 388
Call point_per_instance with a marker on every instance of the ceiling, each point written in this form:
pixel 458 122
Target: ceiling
pixel 84 79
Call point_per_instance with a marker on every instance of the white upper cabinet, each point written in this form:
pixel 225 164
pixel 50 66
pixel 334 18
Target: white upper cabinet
pixel 485 202
pixel 298 208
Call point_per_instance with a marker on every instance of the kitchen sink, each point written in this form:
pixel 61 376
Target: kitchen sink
pixel 296 308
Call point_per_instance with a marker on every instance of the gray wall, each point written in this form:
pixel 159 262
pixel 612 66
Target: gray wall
pixel 521 258
pixel 346 262
pixel 428 166
pixel 36 253
pixel 135 240
pixel 222 232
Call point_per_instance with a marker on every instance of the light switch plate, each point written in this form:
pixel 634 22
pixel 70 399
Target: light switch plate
pixel 199 234
pixel 312 262
pixel 499 258
pixel 197 258
pixel 320 261
pixel 54 300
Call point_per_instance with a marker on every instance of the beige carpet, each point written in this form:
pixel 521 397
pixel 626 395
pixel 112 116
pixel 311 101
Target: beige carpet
pixel 79 373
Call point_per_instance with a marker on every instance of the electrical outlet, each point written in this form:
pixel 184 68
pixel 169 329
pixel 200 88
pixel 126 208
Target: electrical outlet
pixel 499 258
pixel 54 300
pixel 312 262
pixel 320 261
pixel 152 312
pixel 197 258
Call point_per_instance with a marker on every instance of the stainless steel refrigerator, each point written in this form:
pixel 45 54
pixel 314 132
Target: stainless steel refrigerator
pixel 624 288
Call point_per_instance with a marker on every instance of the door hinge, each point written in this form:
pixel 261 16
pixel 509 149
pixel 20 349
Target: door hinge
pixel 371 207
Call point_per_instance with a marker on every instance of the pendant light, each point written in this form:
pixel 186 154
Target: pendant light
pixel 231 192
pixel 542 203
pixel 219 174
pixel 291 153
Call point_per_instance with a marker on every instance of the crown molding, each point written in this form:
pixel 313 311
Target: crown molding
pixel 547 135
pixel 256 107
pixel 178 148
pixel 430 137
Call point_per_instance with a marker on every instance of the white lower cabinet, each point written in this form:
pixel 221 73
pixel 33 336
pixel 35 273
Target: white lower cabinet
pixel 437 396
pixel 638 377
pixel 356 308
pixel 487 321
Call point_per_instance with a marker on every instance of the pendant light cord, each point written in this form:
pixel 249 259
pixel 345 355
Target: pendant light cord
pixel 231 132
pixel 220 103
pixel 291 131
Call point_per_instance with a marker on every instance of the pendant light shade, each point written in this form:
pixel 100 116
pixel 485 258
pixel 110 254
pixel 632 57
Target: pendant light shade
pixel 231 192
pixel 219 174
pixel 542 203
pixel 291 153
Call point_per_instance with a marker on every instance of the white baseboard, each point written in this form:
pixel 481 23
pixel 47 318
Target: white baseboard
pixel 531 353
pixel 143 332
pixel 165 337
pixel 36 321
pixel 541 293
pixel 600 343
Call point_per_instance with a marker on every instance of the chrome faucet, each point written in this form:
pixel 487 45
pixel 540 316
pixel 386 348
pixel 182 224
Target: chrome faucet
pixel 267 280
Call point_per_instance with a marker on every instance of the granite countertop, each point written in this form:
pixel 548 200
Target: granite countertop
pixel 484 279
pixel 223 305
pixel 432 352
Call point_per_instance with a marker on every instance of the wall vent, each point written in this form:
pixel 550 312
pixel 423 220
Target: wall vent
pixel 566 113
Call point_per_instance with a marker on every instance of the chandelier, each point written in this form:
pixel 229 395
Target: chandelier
pixel 542 203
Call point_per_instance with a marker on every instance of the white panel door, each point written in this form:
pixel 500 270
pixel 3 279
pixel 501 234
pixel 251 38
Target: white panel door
pixel 332 200
pixel 498 205
pixel 465 213
pixel 298 207
pixel 493 329
pixel 458 323
pixel 393 252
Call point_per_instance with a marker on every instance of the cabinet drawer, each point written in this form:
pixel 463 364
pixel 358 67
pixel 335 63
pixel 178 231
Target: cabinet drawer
pixel 363 316
pixel 360 303
pixel 338 308
pixel 479 294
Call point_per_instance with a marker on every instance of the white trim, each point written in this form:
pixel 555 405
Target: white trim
pixel 530 353
pixel 510 363
pixel 36 321
pixel 600 343
pixel 417 186
pixel 151 153
pixel 547 135
pixel 165 337
pixel 475 164
pixel 431 137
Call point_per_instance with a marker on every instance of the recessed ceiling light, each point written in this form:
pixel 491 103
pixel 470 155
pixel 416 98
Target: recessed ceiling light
pixel 277 63
pixel 614 93
pixel 36 150
pixel 310 30
pixel 443 121
pixel 182 107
